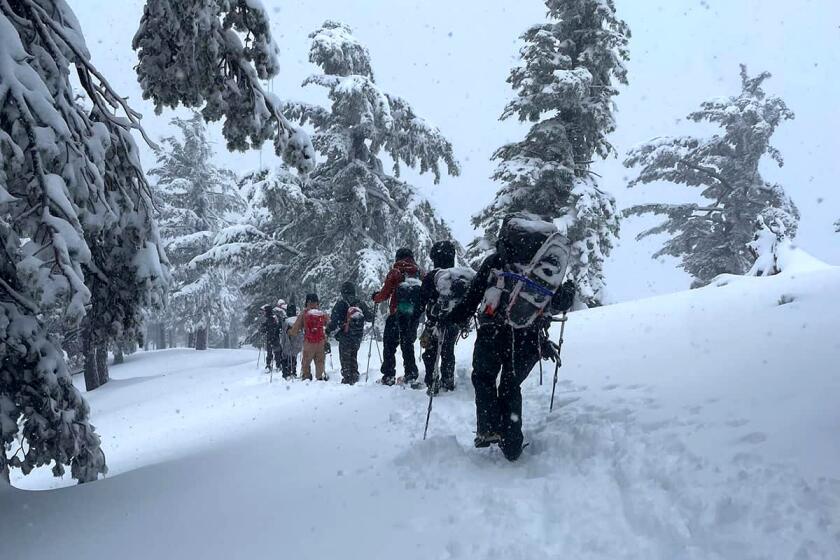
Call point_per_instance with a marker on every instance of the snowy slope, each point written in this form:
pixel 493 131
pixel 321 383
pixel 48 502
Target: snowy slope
pixel 699 425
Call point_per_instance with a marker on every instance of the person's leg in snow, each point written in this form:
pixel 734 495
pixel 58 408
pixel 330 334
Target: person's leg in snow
pixel 320 357
pixel 488 357
pixel 519 366
pixel 407 337
pixel 348 351
pixel 429 356
pixel 306 362
pixel 390 343
pixel 447 358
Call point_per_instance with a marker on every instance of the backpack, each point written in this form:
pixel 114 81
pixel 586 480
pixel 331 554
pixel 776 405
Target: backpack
pixel 292 346
pixel 408 296
pixel 314 322
pixel 536 256
pixel 354 321
pixel 452 285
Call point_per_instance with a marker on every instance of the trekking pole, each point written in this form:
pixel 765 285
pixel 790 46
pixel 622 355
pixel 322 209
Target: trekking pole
pixel 271 371
pixel 370 351
pixel 259 355
pixel 435 380
pixel 541 368
pixel 557 366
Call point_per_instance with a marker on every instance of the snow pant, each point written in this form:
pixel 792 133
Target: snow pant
pixel 272 357
pixel 289 365
pixel 448 338
pixel 313 351
pixel 348 352
pixel 400 332
pixel 514 353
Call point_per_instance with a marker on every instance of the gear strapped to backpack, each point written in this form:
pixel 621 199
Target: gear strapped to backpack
pixel 408 295
pixel 452 285
pixel 354 321
pixel 536 256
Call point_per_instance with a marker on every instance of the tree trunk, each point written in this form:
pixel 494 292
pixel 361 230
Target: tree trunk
pixel 118 354
pixel 201 338
pixel 102 362
pixel 89 353
pixel 161 337
pixel 191 339
pixel 226 341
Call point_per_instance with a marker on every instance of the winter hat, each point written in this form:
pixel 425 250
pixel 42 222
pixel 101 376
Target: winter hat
pixel 292 310
pixel 443 254
pixel 348 289
pixel 281 303
pixel 404 253
pixel 311 298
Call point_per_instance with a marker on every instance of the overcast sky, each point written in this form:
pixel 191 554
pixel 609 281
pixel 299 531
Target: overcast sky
pixel 450 59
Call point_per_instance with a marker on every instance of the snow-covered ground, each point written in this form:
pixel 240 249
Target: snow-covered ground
pixel 698 425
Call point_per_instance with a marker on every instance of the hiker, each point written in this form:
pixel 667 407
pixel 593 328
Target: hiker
pixel 438 331
pixel 292 345
pixel 312 323
pixel 270 331
pixel 499 346
pixel 347 324
pixel 402 286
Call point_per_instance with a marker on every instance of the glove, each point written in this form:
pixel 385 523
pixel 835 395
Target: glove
pixel 373 296
pixel 547 350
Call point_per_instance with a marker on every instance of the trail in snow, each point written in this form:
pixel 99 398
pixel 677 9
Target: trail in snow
pixel 695 426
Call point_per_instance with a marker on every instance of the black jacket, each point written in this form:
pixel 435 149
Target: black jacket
pixel 562 300
pixel 339 316
pixel 271 331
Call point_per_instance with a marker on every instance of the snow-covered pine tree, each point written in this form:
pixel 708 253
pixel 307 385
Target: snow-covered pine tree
pixel 711 237
pixel 213 53
pixel 347 220
pixel 196 200
pixel 70 174
pixel 565 86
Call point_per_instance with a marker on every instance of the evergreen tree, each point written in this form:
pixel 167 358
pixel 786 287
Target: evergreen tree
pixel 76 234
pixel 565 86
pixel 711 238
pixel 70 182
pixel 212 53
pixel 348 219
pixel 197 200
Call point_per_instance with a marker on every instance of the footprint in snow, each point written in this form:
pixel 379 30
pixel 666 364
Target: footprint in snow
pixel 737 423
pixel 610 387
pixel 753 438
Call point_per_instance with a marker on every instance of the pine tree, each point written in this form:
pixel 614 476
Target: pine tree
pixel 348 219
pixel 711 238
pixel 565 86
pixel 193 52
pixel 197 201
pixel 75 229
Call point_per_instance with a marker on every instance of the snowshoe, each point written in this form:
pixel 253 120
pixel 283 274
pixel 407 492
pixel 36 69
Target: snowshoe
pixel 535 287
pixel 486 439
pixel 387 380
pixel 415 384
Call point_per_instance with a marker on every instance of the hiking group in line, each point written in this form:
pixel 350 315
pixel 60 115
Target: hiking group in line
pixel 511 301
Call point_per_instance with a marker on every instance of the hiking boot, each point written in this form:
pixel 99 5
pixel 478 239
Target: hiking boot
pixel 448 385
pixel 486 439
pixel 387 380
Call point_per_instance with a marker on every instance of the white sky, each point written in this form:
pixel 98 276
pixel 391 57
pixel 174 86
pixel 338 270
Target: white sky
pixel 450 59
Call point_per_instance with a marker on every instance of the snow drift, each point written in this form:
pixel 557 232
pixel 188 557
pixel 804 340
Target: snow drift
pixel 699 425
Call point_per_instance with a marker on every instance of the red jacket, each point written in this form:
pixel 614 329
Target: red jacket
pixel 403 268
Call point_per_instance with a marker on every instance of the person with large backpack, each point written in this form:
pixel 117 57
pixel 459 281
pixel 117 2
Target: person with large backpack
pixel 292 345
pixel 515 291
pixel 270 331
pixel 442 288
pixel 402 286
pixel 347 324
pixel 312 323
